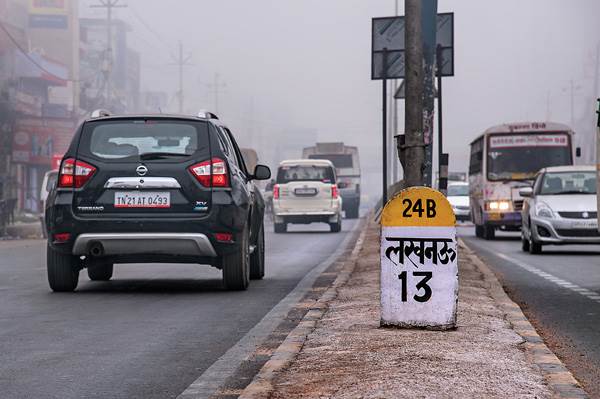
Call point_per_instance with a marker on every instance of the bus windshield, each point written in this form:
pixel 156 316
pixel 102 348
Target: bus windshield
pixel 519 157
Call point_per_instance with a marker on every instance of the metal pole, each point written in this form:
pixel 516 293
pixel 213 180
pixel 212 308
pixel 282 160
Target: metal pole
pixel 108 50
pixel 414 146
pixel 384 129
pixel 440 117
pixel 180 77
pixel 394 171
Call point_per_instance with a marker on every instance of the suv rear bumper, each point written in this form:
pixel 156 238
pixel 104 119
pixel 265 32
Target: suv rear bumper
pixel 115 244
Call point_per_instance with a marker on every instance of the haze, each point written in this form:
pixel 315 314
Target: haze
pixel 298 71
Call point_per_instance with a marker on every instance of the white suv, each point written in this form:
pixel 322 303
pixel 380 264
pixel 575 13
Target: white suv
pixel 306 191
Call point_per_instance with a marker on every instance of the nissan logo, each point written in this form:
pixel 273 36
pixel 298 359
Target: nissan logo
pixel 141 170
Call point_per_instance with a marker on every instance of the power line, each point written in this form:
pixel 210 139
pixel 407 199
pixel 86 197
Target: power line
pixel 148 27
pixel 26 54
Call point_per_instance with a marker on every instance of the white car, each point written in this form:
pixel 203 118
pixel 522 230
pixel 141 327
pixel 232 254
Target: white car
pixel 560 208
pixel 458 196
pixel 305 192
pixel 48 184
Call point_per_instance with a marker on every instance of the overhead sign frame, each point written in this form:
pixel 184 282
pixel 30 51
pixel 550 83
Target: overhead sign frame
pixel 388 47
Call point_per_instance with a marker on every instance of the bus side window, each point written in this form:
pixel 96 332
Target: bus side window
pixel 476 161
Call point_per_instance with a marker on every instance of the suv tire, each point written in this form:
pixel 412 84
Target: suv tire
pixel 63 271
pixel 257 259
pixel 236 266
pixel 280 227
pixel 101 272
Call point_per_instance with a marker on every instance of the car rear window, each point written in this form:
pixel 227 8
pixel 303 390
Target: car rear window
pixel 288 173
pixel 137 137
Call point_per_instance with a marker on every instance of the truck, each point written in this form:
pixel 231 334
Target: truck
pixel 347 165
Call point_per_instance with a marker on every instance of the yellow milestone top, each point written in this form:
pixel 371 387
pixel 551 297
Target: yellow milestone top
pixel 418 206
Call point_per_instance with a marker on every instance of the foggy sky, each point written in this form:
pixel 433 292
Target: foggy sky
pixel 291 64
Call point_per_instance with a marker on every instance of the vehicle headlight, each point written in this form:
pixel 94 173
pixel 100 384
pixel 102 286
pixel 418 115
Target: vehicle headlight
pixel 543 210
pixel 500 205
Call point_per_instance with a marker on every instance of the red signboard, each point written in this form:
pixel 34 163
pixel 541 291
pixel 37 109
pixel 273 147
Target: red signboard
pixel 37 141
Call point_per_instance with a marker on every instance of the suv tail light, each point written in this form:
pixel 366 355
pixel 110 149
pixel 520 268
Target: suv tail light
pixel 202 173
pixel 74 173
pixel 276 191
pixel 334 191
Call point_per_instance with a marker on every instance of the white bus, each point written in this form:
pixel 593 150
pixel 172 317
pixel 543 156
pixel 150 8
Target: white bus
pixel 504 159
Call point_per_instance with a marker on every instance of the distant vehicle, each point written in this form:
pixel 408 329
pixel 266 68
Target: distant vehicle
pixel 560 208
pixel 154 188
pixel 458 196
pixel 48 183
pixel 306 192
pixel 346 162
pixel 506 158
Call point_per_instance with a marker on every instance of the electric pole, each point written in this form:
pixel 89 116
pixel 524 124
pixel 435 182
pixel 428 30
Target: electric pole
pixel 109 5
pixel 414 146
pixel 180 61
pixel 394 101
pixel 216 86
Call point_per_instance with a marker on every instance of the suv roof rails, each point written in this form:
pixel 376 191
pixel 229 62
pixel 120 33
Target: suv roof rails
pixel 99 113
pixel 204 114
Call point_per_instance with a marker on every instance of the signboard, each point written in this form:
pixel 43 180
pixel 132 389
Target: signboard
pixel 48 14
pixel 419 261
pixel 528 140
pixel 37 140
pixel 388 37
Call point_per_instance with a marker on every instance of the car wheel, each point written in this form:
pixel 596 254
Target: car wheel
pixel 63 271
pixel 535 247
pixel 524 243
pixel 102 272
pixel 257 259
pixel 489 233
pixel 478 231
pixel 280 227
pixel 236 266
pixel 336 227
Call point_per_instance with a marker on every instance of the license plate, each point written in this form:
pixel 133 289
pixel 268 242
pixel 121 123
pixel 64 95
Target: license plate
pixel 305 191
pixel 142 199
pixel 585 224
pixel 494 216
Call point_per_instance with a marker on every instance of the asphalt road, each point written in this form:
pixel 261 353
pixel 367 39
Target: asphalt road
pixel 559 292
pixel 150 332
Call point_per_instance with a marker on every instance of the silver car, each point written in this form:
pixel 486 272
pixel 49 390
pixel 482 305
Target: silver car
pixel 560 208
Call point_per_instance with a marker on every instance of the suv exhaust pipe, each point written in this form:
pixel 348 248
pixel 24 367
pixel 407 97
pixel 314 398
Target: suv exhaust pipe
pixel 96 249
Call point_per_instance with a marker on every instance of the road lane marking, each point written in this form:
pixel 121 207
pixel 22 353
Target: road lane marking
pixel 594 296
pixel 216 375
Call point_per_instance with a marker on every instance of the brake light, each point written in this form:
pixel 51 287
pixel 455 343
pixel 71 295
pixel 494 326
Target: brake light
pixel 75 173
pixel 202 173
pixel 334 191
pixel 276 191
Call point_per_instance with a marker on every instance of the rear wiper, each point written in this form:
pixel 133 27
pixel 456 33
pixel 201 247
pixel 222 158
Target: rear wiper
pixel 159 155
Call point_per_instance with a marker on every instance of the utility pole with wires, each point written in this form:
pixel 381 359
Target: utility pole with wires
pixel 180 61
pixel 109 5
pixel 216 86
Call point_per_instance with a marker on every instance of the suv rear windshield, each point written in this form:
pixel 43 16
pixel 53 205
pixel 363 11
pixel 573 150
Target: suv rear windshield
pixel 338 160
pixel 139 138
pixel 288 173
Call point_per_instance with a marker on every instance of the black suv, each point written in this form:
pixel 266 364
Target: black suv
pixel 154 188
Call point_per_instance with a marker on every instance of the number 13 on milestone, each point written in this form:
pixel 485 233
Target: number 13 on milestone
pixel 419 261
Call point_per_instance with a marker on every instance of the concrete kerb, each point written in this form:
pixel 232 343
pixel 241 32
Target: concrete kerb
pixel 262 384
pixel 556 375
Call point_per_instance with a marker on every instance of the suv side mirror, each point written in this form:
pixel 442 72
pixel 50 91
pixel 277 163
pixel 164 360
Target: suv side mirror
pixel 578 152
pixel 342 184
pixel 526 192
pixel 261 172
